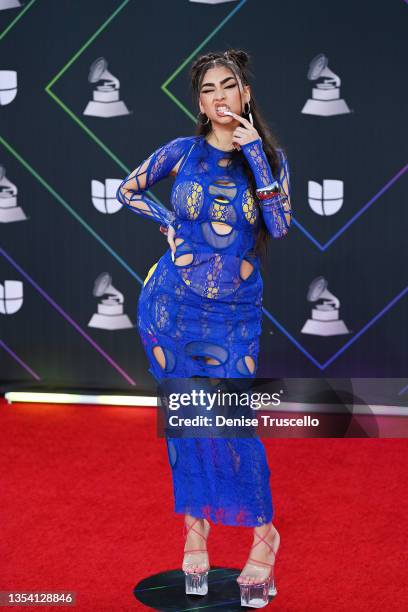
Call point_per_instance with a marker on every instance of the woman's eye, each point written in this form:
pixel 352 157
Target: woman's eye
pixel 212 91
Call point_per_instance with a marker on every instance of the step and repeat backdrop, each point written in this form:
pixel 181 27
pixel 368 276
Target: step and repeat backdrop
pixel 89 88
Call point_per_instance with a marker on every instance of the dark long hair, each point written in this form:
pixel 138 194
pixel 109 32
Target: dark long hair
pixel 237 61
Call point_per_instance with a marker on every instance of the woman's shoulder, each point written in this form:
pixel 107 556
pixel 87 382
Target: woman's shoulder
pixel 175 149
pixel 180 148
pixel 176 144
pixel 184 141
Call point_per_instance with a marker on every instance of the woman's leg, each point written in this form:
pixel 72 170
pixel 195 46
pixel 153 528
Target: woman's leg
pixel 262 555
pixel 195 555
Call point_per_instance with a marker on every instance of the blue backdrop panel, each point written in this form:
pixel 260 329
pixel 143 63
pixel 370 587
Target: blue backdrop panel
pixel 61 157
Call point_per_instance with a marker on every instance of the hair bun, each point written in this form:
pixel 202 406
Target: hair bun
pixel 239 56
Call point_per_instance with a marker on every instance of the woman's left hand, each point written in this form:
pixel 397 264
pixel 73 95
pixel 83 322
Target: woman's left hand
pixel 245 133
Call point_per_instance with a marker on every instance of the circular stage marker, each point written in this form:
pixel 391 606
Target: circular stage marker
pixel 165 592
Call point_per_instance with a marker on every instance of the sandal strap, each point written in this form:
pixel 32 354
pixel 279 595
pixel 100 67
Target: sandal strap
pixel 260 562
pixel 196 550
pixel 262 539
pixel 187 528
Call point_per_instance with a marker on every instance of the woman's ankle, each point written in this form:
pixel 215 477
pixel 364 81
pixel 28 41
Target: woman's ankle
pixel 198 523
pixel 266 539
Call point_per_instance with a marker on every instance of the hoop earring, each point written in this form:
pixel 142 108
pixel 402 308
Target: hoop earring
pixel 248 112
pixel 205 122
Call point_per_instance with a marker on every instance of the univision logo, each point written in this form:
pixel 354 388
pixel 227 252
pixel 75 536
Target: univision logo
pixel 326 199
pixel 8 86
pixel 11 297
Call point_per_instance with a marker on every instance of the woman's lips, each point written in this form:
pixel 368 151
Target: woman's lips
pixel 223 111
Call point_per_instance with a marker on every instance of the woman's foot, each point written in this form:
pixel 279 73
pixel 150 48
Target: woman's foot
pixel 195 548
pixel 262 556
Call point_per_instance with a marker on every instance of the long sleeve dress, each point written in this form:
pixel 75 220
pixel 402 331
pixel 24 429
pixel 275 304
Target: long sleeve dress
pixel 206 302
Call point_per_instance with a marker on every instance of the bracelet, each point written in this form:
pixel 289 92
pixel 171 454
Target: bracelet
pixel 265 193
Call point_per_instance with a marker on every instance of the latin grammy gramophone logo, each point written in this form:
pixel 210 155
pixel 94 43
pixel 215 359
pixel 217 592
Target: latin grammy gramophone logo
pixel 11 297
pixel 325 100
pixel 110 314
pixel 9 211
pixel 326 199
pixel 8 86
pixel 105 102
pixel 8 4
pixel 104 196
pixel 325 319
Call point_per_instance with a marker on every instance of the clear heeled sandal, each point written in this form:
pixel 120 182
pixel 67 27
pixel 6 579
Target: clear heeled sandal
pixel 256 595
pixel 196 583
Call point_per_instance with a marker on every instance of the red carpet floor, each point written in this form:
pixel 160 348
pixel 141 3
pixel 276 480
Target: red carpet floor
pixel 87 506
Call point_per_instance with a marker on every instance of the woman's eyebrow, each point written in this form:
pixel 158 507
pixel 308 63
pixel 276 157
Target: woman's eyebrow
pixel 221 82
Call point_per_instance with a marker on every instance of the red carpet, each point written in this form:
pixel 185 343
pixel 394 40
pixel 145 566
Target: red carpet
pixel 87 506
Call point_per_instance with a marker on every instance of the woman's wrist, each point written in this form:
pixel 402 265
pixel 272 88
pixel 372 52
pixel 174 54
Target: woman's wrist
pixel 170 219
pixel 259 163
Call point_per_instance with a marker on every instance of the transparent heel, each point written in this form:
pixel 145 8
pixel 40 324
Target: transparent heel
pixel 256 595
pixel 272 588
pixel 196 582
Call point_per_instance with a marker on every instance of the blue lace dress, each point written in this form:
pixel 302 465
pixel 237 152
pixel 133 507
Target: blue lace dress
pixel 200 311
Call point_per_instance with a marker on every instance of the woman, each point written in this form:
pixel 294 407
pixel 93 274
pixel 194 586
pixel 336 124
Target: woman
pixel 200 309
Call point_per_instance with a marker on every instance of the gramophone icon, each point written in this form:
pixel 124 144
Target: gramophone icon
pixel 110 313
pixel 325 317
pixel 7 4
pixel 325 99
pixel 105 101
pixel 9 211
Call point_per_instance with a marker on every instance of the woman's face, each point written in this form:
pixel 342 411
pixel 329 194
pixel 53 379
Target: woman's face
pixel 220 88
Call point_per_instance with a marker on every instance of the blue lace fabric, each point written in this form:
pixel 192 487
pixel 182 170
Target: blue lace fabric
pixel 203 307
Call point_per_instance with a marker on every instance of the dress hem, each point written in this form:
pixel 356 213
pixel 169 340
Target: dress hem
pixel 221 520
